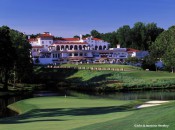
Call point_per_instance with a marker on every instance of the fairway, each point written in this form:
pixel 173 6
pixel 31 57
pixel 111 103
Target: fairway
pixel 152 118
pixel 60 113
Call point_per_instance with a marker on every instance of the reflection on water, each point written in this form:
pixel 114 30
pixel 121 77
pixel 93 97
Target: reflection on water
pixel 139 95
pixel 147 95
pixel 4 102
pixel 132 95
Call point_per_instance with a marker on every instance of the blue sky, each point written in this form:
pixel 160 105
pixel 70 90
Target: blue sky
pixel 67 18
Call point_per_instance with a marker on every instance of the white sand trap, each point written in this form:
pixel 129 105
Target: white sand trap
pixel 155 102
pixel 151 104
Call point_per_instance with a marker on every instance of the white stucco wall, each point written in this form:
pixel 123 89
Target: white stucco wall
pixel 44 60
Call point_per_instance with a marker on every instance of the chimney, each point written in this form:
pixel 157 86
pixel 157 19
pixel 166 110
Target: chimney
pixel 81 36
pixel 118 45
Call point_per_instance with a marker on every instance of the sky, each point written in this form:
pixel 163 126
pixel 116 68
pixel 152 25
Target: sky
pixel 67 18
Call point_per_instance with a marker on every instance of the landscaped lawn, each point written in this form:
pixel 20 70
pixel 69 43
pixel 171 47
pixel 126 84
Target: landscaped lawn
pixel 127 67
pixel 60 113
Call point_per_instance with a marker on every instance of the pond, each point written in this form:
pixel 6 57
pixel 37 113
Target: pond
pixel 138 95
pixel 9 99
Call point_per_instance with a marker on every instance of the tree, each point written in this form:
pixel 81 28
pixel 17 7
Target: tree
pixel 111 38
pixel 139 37
pixel 76 36
pixel 7 54
pixel 95 34
pixel 163 48
pixel 23 62
pixel 14 55
pixel 132 60
pixel 124 36
pixel 86 35
pixel 152 32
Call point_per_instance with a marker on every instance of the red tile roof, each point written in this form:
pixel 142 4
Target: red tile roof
pixel 132 50
pixel 96 39
pixel 68 39
pixel 37 47
pixel 32 39
pixel 46 35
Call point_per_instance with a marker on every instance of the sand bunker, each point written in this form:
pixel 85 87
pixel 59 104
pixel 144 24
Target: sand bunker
pixel 151 104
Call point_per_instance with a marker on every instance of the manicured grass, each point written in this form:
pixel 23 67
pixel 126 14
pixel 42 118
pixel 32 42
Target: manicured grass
pixel 150 74
pixel 127 67
pixel 105 79
pixel 157 116
pixel 125 80
pixel 60 113
pixel 146 75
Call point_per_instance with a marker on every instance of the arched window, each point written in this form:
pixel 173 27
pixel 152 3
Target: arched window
pixel 62 47
pixel 84 47
pixel 71 47
pixel 67 47
pixel 104 47
pixel 80 47
pixel 58 48
pixel 75 47
pixel 96 47
pixel 100 47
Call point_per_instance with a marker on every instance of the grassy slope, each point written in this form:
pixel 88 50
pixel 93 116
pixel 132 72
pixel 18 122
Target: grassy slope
pixel 163 114
pixel 128 79
pixel 59 113
pixel 127 67
pixel 124 79
pixel 146 75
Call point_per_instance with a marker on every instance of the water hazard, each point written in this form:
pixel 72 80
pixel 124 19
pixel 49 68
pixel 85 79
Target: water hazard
pixel 138 95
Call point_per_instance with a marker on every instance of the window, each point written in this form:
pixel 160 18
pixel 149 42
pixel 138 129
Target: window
pixel 100 47
pixel 80 47
pixel 42 42
pixel 81 54
pixel 71 47
pixel 75 47
pixel 50 42
pixel 75 54
pixel 55 55
pixel 58 48
pixel 70 54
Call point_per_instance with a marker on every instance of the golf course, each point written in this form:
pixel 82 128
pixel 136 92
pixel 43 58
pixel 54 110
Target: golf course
pixel 98 77
pixel 77 112
pixel 90 113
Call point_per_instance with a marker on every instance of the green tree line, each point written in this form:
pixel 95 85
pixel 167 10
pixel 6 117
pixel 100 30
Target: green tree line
pixel 140 36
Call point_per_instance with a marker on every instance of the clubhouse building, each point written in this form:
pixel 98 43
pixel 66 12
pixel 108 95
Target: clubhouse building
pixel 49 50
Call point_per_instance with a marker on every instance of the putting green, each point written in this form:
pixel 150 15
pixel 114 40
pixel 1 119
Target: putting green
pixel 60 113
